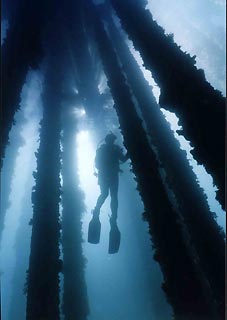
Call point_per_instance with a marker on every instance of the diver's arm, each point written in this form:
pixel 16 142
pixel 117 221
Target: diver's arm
pixel 123 158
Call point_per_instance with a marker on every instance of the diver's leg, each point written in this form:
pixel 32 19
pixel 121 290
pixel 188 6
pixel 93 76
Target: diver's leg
pixel 114 197
pixel 101 199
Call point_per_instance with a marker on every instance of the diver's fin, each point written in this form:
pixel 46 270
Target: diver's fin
pixel 94 230
pixel 114 239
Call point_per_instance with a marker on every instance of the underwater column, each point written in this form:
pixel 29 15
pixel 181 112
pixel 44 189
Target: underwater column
pixel 75 300
pixel 184 89
pixel 44 262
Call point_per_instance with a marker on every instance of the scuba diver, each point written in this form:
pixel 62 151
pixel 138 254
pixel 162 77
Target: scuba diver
pixel 107 161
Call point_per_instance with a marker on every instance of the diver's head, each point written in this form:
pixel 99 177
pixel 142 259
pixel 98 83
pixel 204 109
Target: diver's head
pixel 110 138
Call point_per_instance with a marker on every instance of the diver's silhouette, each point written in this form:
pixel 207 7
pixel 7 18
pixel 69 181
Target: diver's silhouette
pixel 107 161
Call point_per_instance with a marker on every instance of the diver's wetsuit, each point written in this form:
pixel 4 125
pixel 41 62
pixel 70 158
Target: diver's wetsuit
pixel 107 161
